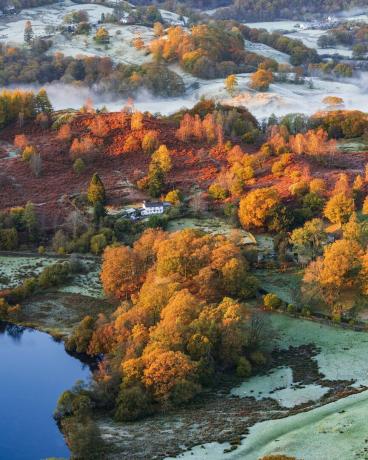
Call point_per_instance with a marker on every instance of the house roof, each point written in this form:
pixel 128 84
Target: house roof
pixel 153 204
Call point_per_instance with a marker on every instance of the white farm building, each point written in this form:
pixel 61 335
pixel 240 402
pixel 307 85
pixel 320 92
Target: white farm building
pixel 153 208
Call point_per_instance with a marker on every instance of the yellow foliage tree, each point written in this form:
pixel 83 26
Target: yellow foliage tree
pixel 339 209
pixel 256 206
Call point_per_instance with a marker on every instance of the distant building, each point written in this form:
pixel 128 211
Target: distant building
pixel 154 207
pixel 150 209
pixel 10 9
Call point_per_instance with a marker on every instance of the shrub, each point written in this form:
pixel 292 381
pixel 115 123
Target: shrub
pixel 244 368
pixel 79 166
pixel 299 188
pixel 271 301
pixel 150 142
pixel 258 358
pixel 28 152
pixel 136 123
pixel 20 141
pixel 175 197
pixel 41 250
pixel 217 192
pixel 98 243
pixel 131 144
pixel 8 239
pixel 317 186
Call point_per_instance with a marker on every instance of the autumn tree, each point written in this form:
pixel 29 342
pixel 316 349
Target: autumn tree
pixel 64 133
pixel 174 197
pixel 28 152
pixel 331 277
pixel 138 42
pixel 261 80
pixel 120 274
pixel 162 158
pixel 166 372
pixel 131 144
pixel 333 101
pixel 318 186
pixel 150 142
pixel 136 123
pixel 255 208
pixel 102 36
pixel 99 127
pixel 21 141
pixel 158 29
pixel 308 240
pixel 176 325
pixel 96 190
pixel 28 33
pixel 339 208
pixel 231 83
pixel 84 147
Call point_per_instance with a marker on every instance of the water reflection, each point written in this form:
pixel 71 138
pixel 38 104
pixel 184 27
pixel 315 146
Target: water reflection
pixel 12 330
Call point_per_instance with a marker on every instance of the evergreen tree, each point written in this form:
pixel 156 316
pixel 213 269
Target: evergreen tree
pixel 96 190
pixel 30 221
pixel 79 166
pixel 28 33
pixel 43 103
pixel 99 212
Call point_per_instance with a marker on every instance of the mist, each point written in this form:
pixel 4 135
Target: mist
pixel 281 99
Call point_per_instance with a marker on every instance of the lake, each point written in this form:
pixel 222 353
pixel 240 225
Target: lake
pixel 34 371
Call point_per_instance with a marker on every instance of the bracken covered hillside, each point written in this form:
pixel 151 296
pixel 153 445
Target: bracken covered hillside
pixel 115 152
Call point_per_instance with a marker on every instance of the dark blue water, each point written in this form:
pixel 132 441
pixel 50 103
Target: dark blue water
pixel 34 371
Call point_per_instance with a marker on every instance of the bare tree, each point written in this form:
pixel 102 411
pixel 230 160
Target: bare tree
pixel 75 223
pixel 260 330
pixel 35 163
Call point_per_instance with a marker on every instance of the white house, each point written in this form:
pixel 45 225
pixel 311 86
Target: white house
pixel 150 209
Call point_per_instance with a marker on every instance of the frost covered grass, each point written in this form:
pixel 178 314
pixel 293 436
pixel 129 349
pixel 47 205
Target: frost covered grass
pixel 119 48
pixel 267 51
pixel 214 226
pixel 356 145
pixel 12 28
pixel 284 284
pixel 13 270
pixel 274 26
pixel 279 385
pixel 86 284
pixel 334 431
pixel 342 353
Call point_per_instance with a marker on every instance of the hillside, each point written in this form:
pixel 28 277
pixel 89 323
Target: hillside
pixel 195 164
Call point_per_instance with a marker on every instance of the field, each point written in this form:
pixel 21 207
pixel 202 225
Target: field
pixel 323 432
pixel 213 226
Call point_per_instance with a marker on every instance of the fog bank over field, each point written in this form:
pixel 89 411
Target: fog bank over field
pixel 282 98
